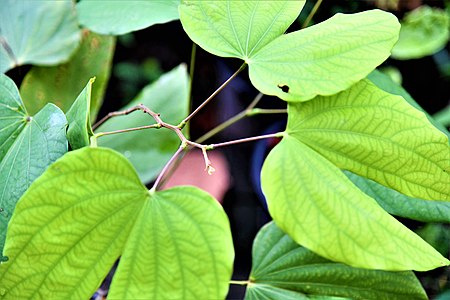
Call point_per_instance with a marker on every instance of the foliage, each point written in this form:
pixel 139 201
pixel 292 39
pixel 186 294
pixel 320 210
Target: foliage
pixel 356 148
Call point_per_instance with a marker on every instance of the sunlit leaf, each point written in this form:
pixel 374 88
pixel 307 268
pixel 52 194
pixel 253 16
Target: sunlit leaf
pixel 88 208
pixel 72 223
pixel 62 84
pixel 80 130
pixel 180 248
pixel 281 268
pixel 38 32
pixel 149 150
pixel 292 68
pixel 379 136
pixel 424 31
pixel 237 28
pixel 27 146
pixel 385 83
pixel 120 17
pixel 289 65
pixel 318 206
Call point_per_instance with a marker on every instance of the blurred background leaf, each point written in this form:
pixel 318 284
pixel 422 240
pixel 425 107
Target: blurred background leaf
pixel 62 84
pixel 20 41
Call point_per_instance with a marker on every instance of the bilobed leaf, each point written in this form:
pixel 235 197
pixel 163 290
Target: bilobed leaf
pixel 28 145
pixel 385 83
pixel 281 267
pixel 318 206
pixel 87 209
pixel 379 136
pixel 71 225
pixel 38 32
pixel 237 28
pixel 292 67
pixel 149 150
pixel 120 17
pixel 289 65
pixel 80 130
pixel 61 84
pixel 424 31
pixel 400 205
pixel 180 248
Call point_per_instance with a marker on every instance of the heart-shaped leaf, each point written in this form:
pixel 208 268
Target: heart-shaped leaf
pixel 281 268
pixel 37 32
pixel 289 65
pixel 88 208
pixel 120 17
pixel 28 145
pixel 318 206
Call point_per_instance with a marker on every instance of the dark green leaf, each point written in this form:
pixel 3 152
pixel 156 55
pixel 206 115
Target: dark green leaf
pixel 62 84
pixel 281 269
pixel 400 205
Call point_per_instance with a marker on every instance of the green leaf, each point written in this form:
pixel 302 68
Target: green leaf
pixel 281 267
pixel 37 32
pixel 27 146
pixel 80 130
pixel 88 208
pixel 317 205
pixel 62 84
pixel 120 17
pixel 289 65
pixel 379 136
pixel 150 149
pixel 385 83
pixel 180 248
pixel 424 31
pixel 292 67
pixel 400 205
pixel 237 28
pixel 71 225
